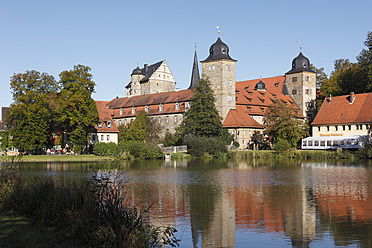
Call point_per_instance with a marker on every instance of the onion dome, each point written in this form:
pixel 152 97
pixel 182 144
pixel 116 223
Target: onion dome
pixel 218 50
pixel 137 71
pixel 260 86
pixel 300 63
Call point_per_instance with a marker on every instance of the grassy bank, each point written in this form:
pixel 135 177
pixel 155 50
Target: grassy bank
pixel 56 158
pixel 299 154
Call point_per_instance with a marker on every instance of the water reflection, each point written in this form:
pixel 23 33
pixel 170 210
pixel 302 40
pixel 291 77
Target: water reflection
pixel 240 203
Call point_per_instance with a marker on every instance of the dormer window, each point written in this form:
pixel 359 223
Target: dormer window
pixel 100 124
pixel 177 106
pixel 161 107
pixel 109 124
pixel 146 109
pixel 276 85
pixel 133 110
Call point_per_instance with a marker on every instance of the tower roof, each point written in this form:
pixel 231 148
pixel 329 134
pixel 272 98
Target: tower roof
pixel 217 51
pixel 300 63
pixel 195 76
pixel 137 71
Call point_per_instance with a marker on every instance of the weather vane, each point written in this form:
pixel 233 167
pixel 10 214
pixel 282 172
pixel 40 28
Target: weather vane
pixel 300 46
pixel 218 28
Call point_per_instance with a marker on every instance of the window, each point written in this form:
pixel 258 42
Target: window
pixel 175 119
pixel 167 119
pixel 146 108
pixel 159 119
pixel 318 129
pixel 121 111
pixel 329 143
pixel 119 122
pixel 133 110
pixel 102 138
pixel 327 128
pixel 100 124
pixel 237 92
pixel 125 122
pixel 262 109
pixel 335 143
pixel 108 137
pixel 336 128
pixel 322 143
pixel 228 67
pixel 294 92
pixel 343 127
pixel 229 83
pixel 304 143
pixel 310 143
pixel 243 142
pixel 161 106
pixel 177 107
pixel 294 79
pixel 276 85
pixel 349 127
pixel 249 99
pixel 316 143
pixel 307 91
pixel 249 108
pixel 109 124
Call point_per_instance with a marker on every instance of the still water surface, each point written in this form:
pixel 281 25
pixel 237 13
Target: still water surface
pixel 247 203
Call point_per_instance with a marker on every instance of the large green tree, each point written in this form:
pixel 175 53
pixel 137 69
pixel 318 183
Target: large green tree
pixel 202 119
pixel 31 113
pixel 76 110
pixel 281 122
pixel 365 63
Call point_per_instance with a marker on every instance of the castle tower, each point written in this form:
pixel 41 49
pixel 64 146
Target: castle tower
pixel 134 87
pixel 301 85
pixel 219 69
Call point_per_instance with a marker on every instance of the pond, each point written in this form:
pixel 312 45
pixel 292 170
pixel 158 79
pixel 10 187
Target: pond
pixel 247 203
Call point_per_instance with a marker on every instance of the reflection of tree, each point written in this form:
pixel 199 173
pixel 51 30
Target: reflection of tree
pixel 202 200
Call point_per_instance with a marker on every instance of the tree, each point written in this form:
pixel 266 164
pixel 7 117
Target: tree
pixel 321 76
pixel 202 119
pixel 282 123
pixel 76 110
pixel 31 113
pixel 141 129
pixel 365 63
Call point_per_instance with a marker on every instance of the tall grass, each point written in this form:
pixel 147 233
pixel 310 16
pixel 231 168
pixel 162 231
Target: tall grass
pixel 94 210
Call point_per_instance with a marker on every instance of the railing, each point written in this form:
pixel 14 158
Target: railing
pixel 174 149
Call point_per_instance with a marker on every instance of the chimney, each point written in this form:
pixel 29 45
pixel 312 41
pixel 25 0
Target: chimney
pixel 351 100
pixel 145 67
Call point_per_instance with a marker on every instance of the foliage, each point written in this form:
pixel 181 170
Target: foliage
pixel 143 150
pixel 321 76
pixel 141 129
pixel 236 144
pixel 76 110
pixel 95 211
pixel 366 150
pixel 203 146
pixel 5 141
pixel 282 146
pixel 351 77
pixel 106 149
pixel 202 119
pixel 259 141
pixel 282 123
pixel 31 115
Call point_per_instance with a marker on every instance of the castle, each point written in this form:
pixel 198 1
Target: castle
pixel 241 105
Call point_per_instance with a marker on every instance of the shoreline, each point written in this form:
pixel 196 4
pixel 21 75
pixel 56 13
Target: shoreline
pixel 56 158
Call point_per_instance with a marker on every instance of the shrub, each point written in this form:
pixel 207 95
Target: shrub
pixel 143 150
pixel 366 150
pixel 202 146
pixel 106 149
pixel 282 145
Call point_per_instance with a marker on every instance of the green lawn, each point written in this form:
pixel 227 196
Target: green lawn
pixel 55 158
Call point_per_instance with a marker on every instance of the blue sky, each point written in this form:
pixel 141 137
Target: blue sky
pixel 112 36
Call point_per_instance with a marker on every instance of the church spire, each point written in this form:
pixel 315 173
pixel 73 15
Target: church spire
pixel 195 72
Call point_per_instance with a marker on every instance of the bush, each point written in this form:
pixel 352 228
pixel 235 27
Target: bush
pixel 106 149
pixel 203 146
pixel 366 150
pixel 143 150
pixel 282 145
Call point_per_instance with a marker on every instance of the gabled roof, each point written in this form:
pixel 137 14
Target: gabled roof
pixel 105 115
pixel 339 110
pixel 151 99
pixel 240 117
pixel 256 100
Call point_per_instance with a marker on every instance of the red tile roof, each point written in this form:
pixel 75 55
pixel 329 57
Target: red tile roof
pixel 105 115
pixel 257 101
pixel 152 99
pixel 240 117
pixel 338 110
